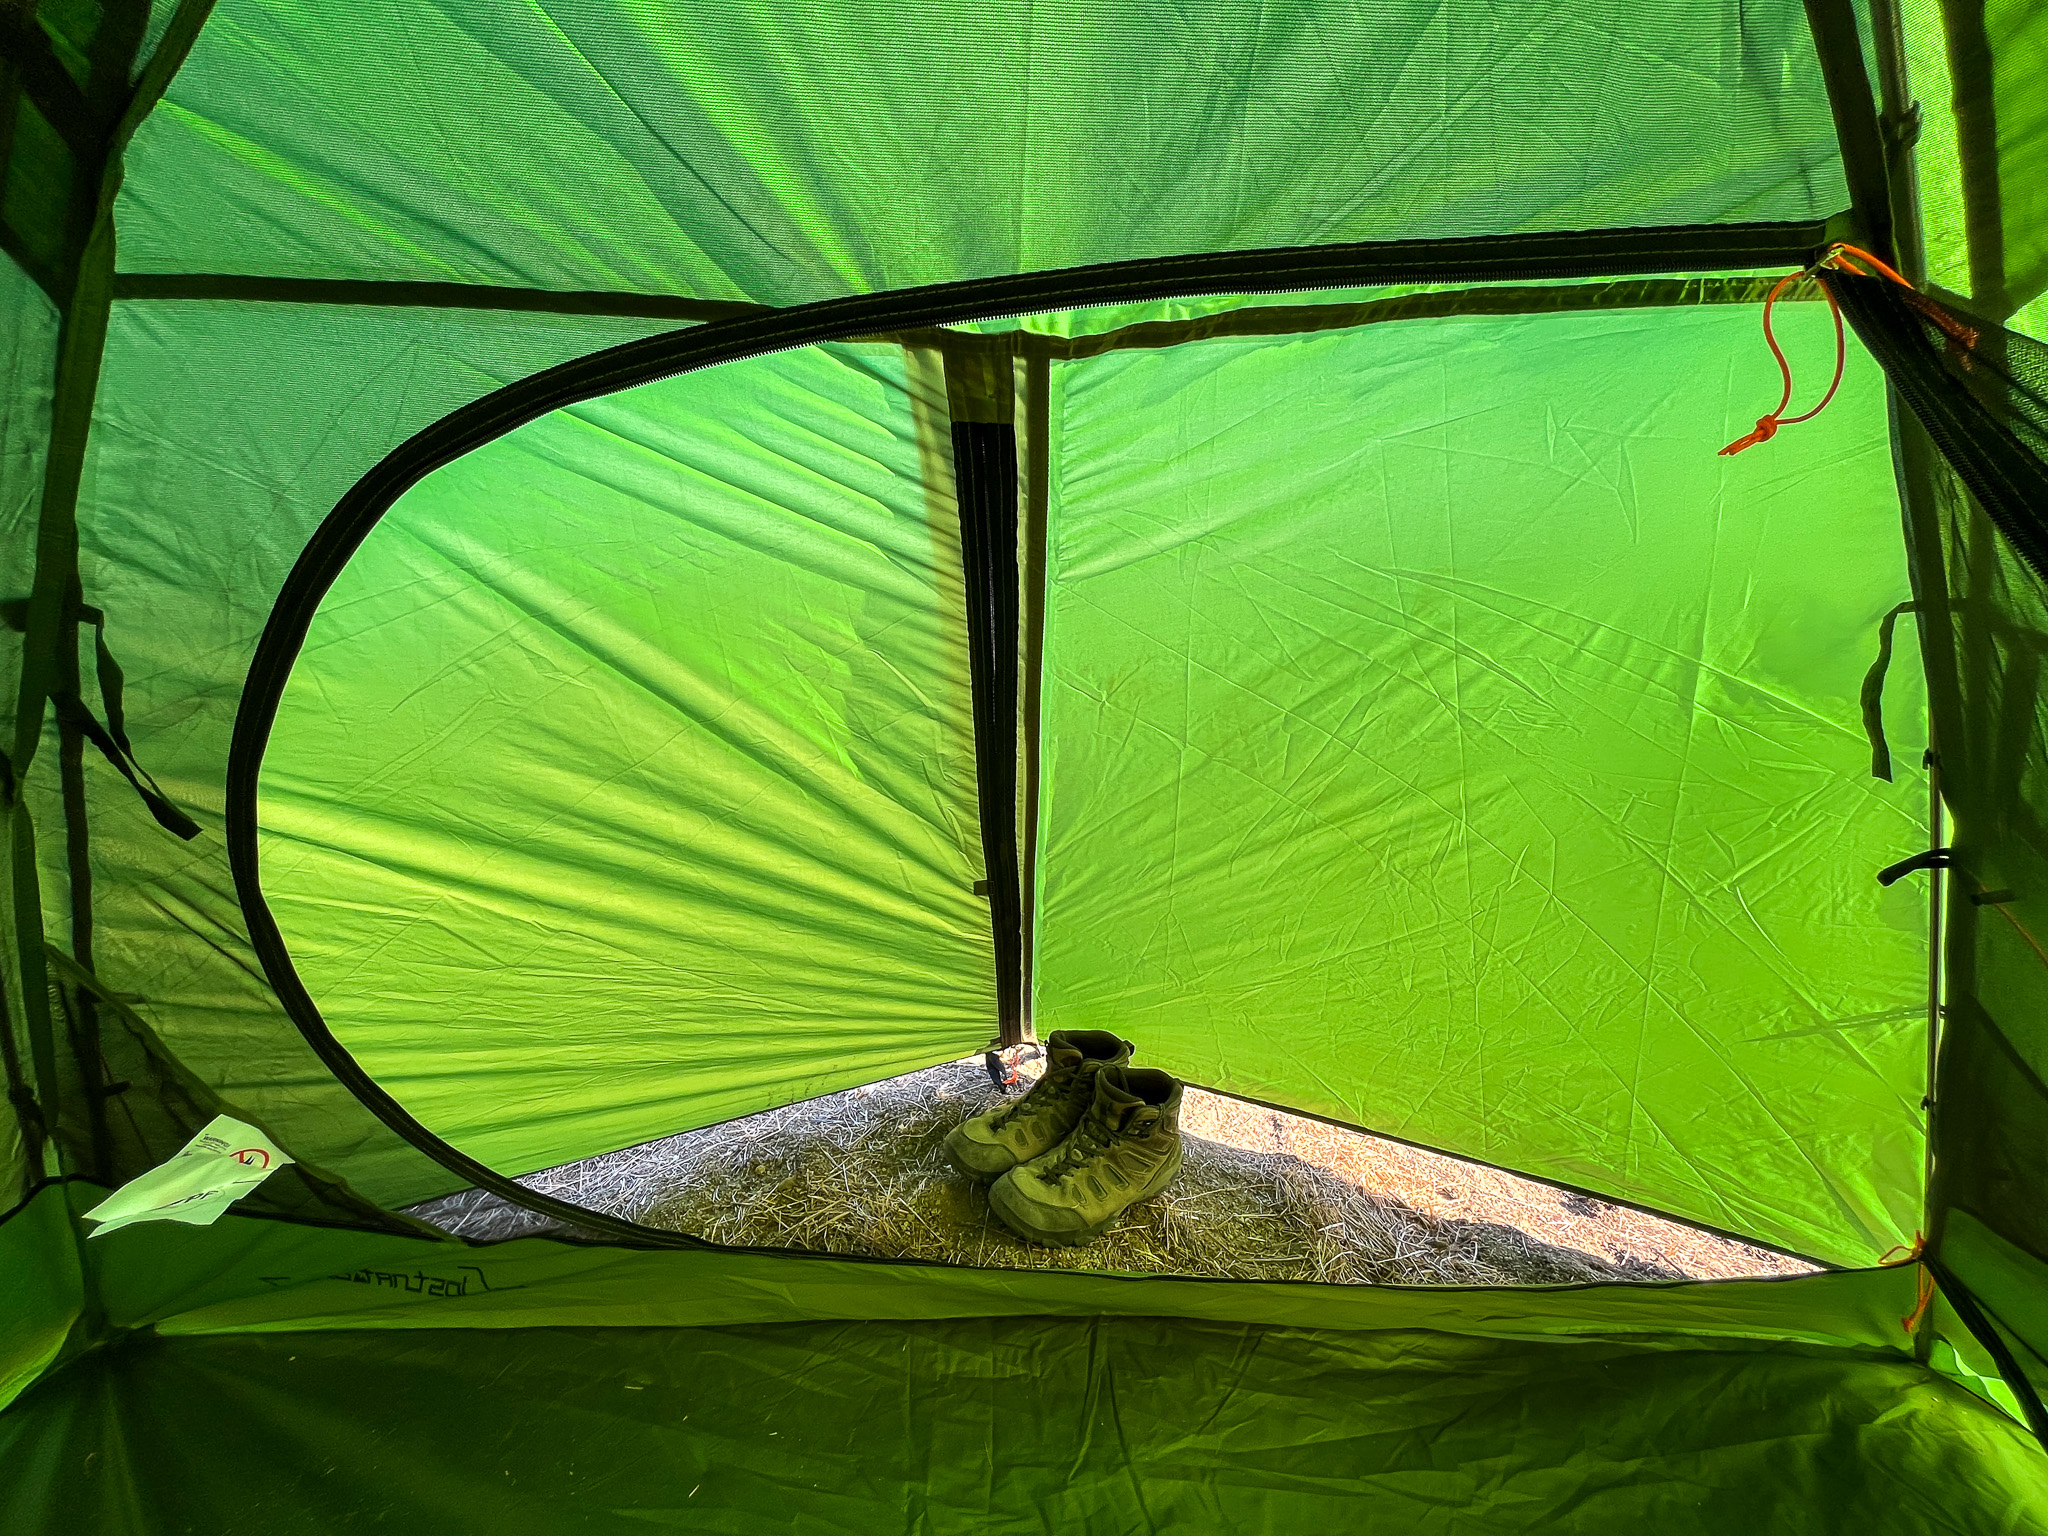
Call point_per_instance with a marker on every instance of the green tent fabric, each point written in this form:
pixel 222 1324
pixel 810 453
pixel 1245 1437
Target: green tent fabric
pixel 575 571
pixel 1437 774
pixel 653 153
pixel 658 1443
pixel 612 1390
pixel 1986 159
pixel 705 689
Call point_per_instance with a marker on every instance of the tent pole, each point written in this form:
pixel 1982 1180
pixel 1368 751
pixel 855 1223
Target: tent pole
pixel 1923 1336
pixel 1857 131
pixel 1936 894
pixel 1899 121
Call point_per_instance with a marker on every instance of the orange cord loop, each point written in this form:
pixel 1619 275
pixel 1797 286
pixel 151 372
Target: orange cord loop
pixel 1905 1254
pixel 1766 429
pixel 1847 258
pixel 1925 1297
pixel 1767 425
pixel 1911 1321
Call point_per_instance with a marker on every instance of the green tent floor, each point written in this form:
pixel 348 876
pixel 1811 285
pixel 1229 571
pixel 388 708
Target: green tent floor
pixel 995 1425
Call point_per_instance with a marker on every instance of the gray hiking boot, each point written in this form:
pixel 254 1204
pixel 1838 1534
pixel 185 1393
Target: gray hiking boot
pixel 1126 1149
pixel 994 1143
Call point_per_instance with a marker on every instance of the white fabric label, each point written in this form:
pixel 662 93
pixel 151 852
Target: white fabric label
pixel 217 1167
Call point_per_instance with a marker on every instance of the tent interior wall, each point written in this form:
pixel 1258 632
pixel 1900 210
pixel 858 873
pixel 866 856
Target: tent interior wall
pixel 581 570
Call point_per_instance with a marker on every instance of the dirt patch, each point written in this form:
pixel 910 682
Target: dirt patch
pixel 1262 1195
pixel 1449 1189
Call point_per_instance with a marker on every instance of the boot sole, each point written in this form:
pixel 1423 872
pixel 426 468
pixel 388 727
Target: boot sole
pixel 1086 1235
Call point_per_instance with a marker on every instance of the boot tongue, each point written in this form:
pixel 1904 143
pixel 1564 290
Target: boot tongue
pixel 1113 1101
pixel 1063 1058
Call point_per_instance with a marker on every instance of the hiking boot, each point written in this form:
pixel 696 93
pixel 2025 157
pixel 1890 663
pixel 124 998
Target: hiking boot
pixel 1126 1149
pixel 992 1144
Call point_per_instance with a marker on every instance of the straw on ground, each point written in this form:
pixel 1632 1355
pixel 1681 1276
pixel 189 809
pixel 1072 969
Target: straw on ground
pixel 1262 1196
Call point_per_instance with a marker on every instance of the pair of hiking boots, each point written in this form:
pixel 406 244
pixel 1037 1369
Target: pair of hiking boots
pixel 1094 1136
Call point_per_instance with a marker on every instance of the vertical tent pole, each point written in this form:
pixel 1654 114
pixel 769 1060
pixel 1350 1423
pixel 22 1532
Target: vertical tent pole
pixel 1898 120
pixel 1936 892
pixel 1835 39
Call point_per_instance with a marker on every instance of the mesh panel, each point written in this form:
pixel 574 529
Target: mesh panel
pixel 129 1105
pixel 1980 71
pixel 1980 391
pixel 1984 615
pixel 1971 449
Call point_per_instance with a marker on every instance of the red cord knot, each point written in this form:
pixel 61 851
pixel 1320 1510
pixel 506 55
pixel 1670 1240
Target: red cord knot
pixel 1766 429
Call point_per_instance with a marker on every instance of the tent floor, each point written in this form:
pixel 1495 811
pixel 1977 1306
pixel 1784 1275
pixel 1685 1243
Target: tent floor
pixel 999 1425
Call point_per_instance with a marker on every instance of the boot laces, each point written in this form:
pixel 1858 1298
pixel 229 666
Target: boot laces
pixel 1092 1137
pixel 1045 1094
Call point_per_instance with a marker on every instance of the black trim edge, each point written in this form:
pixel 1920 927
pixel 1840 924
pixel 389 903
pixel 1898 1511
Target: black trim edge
pixel 1596 253
pixel 985 477
pixel 1474 259
pixel 1985 1332
pixel 216 287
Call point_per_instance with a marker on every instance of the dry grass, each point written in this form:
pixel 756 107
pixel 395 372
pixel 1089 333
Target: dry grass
pixel 1262 1195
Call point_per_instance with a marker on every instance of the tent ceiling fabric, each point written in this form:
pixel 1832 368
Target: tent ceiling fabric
pixel 607 144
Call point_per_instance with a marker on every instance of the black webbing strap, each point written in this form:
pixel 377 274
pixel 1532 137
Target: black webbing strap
pixel 1986 1332
pixel 1873 694
pixel 111 738
pixel 980 391
pixel 1933 858
pixel 72 711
